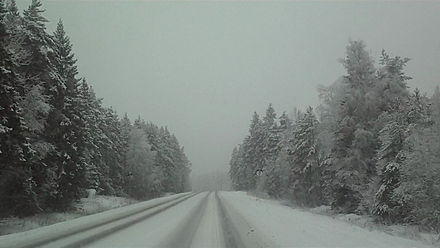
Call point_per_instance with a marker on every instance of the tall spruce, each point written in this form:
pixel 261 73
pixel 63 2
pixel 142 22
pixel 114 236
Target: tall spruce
pixel 17 188
pixel 351 162
pixel 305 161
pixel 65 125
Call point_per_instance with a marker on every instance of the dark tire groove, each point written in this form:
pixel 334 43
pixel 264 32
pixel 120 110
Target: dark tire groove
pixel 88 240
pixel 232 240
pixel 185 231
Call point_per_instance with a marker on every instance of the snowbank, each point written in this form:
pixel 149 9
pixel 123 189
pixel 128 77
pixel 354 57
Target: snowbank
pixel 368 222
pixel 86 206
pixel 101 203
pixel 47 233
pixel 290 227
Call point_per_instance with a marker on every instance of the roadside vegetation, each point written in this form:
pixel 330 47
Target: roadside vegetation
pixel 372 147
pixel 57 139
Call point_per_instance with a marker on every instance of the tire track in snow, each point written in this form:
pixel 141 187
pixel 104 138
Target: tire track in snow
pixel 183 234
pixel 209 232
pixel 229 234
pixel 238 231
pixel 88 236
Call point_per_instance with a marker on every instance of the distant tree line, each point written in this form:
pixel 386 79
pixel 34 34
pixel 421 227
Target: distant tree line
pixel 211 181
pixel 56 137
pixel 370 147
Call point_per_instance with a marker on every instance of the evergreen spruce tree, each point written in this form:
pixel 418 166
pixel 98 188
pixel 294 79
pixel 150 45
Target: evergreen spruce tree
pixel 125 125
pixel 17 188
pixel 351 162
pixel 90 108
pixel 112 154
pixel 253 154
pixel 65 125
pixel 392 137
pixel 37 77
pixel 305 160
pixel 237 169
pixel 271 147
pixel 14 24
pixel 139 161
pixel 419 173
pixel 396 146
pixel 271 142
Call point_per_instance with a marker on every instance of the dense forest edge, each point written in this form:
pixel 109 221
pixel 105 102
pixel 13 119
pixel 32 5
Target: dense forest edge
pixel 371 147
pixel 56 137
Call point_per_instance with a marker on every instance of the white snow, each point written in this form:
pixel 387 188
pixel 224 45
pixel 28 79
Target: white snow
pixel 287 227
pixel 84 207
pixel 197 222
pixel 68 227
pixel 193 223
pixel 157 231
pixel 209 232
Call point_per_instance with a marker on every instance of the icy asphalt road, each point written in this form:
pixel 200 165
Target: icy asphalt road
pixel 235 219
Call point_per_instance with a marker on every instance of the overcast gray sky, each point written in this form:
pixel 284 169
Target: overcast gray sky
pixel 202 68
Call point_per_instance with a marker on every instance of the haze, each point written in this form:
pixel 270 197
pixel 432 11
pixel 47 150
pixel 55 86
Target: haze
pixel 202 68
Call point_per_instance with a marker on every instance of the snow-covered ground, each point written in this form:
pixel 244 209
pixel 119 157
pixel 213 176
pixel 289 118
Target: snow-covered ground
pixel 224 219
pixel 77 231
pixel 209 231
pixel 170 228
pixel 250 222
pixel 368 222
pixel 195 222
pixel 84 207
pixel 282 226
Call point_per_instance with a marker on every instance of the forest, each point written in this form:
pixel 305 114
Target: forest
pixel 372 146
pixel 57 139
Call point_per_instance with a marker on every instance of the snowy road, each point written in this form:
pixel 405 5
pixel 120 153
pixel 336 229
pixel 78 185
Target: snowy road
pixel 235 219
pixel 192 223
pixel 228 219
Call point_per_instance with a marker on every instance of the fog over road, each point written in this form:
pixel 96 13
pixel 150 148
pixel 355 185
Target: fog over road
pixel 235 219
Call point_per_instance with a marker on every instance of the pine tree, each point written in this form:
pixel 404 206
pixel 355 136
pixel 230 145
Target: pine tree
pixel 392 137
pixel 12 17
pixel 125 125
pixel 396 145
pixel 14 23
pixel 166 161
pixel 90 108
pixel 351 161
pixel 112 154
pixel 37 77
pixel 271 142
pixel 272 145
pixel 140 161
pixel 65 125
pixel 237 170
pixel 253 160
pixel 419 181
pixel 17 192
pixel 391 86
pixel 36 42
pixel 305 160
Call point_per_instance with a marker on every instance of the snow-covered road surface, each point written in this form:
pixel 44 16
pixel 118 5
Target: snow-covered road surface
pixel 235 219
pixel 192 223
pixel 230 219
